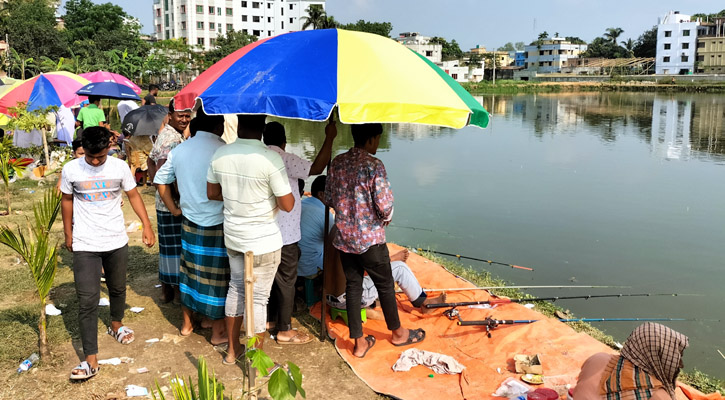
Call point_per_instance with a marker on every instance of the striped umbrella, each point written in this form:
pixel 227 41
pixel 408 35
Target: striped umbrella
pixel 306 74
pixel 44 90
pixel 105 76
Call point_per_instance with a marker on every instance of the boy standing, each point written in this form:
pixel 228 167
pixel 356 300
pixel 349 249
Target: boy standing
pixel 95 232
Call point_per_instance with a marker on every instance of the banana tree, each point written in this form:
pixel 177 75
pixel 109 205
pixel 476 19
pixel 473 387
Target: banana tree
pixel 40 252
pixel 10 164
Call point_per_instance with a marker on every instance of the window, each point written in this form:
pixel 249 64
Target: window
pixel 291 7
pixel 183 9
pixel 166 19
pixel 665 59
pixel 158 12
pixel 212 42
pixel 454 76
pixel 428 53
pixel 255 18
pixel 269 19
pixel 257 32
pixel 230 27
pixel 668 33
pixel 183 25
pixel 199 25
pixel 244 4
pixel 291 20
pixel 167 35
pixel 255 4
pixel 684 58
pixel 668 46
pixel 200 9
pixel 700 58
pixel 200 41
pixel 700 45
pixel 244 18
pixel 686 32
pixel 218 11
pixel 281 10
pixel 212 26
pixel 211 10
pixel 269 6
pixel 229 11
pixel 158 28
pixel 685 45
pixel 166 5
pixel 269 33
pixel 245 31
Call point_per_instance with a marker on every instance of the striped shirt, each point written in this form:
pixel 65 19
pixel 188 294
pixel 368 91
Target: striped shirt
pixel 252 177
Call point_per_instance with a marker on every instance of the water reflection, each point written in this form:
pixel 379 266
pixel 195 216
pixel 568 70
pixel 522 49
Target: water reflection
pixel 678 126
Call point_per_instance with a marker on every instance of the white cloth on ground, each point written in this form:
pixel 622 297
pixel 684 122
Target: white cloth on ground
pixel 439 363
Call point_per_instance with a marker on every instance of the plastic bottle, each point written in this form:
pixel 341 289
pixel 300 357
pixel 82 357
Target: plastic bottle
pixel 28 363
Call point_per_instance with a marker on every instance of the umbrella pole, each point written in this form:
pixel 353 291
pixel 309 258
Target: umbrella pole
pixel 323 303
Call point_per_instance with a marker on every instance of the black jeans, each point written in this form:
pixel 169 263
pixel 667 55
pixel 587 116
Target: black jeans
pixel 376 262
pixel 282 297
pixel 87 276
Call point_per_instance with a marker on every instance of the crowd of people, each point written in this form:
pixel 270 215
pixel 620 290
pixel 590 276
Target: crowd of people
pixel 216 201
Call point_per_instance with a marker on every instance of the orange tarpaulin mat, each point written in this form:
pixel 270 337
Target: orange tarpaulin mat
pixel 488 362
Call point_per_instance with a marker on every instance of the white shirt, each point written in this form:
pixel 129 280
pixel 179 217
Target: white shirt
pixel 98 223
pixel 188 164
pixel 252 177
pixel 124 107
pixel 65 124
pixel 289 222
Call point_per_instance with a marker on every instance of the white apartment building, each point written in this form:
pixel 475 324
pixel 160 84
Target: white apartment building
pixel 462 73
pixel 551 55
pixel 676 44
pixel 421 44
pixel 200 22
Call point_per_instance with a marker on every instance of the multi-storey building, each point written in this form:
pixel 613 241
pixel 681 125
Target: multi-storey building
pixel 551 54
pixel 711 47
pixel 676 44
pixel 201 22
pixel 422 45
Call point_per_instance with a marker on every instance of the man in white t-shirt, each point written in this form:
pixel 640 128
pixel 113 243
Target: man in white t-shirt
pixel 282 298
pixel 251 181
pixel 95 232
pixel 124 107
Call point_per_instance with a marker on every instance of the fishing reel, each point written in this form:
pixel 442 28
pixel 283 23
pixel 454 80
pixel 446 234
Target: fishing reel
pixel 489 323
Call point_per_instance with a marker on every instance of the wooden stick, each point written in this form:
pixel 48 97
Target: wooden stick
pixel 249 318
pixel 721 354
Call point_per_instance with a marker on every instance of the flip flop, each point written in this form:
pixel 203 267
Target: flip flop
pixel 89 372
pixel 370 339
pixel 236 360
pixel 122 334
pixel 291 340
pixel 414 336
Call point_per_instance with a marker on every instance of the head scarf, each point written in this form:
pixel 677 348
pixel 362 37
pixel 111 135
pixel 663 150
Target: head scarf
pixel 656 349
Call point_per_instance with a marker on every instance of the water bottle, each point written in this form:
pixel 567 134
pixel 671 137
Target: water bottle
pixel 28 363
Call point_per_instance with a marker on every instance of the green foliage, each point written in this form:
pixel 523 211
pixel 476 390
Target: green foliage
pixel 9 165
pixel 575 40
pixel 31 27
pixel 228 44
pixel 378 28
pixel 702 382
pixel 183 389
pixel 284 385
pixel 316 17
pixel 646 44
pixel 605 48
pixel 708 17
pixel 28 120
pixel 507 47
pixel 450 51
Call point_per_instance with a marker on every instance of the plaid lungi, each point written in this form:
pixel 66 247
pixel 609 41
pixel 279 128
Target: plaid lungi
pixel 169 246
pixel 204 277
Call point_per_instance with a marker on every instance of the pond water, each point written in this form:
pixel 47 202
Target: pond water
pixel 587 189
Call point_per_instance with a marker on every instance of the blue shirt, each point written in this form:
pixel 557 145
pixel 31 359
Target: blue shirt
pixel 187 164
pixel 312 243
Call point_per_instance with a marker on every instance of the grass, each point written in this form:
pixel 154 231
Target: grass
pixel 615 85
pixel 696 379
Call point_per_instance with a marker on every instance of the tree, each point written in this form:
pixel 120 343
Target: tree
pixel 450 51
pixel 228 44
pixel 646 44
pixel 474 60
pixel 629 46
pixel 612 34
pixel 31 29
pixel 329 22
pixel 543 35
pixel 574 40
pixel 18 65
pixel 315 18
pixel 520 46
pixel 604 48
pixel 9 164
pixel 41 255
pixel 378 28
pixel 27 121
pixel 507 47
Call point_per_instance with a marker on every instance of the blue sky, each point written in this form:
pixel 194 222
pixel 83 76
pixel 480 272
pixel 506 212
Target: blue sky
pixel 491 24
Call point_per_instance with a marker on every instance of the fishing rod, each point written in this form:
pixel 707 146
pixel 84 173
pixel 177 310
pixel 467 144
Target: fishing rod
pixel 460 289
pixel 491 323
pixel 458 256
pixel 506 301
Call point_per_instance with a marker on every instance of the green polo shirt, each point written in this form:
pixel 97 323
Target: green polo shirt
pixel 91 115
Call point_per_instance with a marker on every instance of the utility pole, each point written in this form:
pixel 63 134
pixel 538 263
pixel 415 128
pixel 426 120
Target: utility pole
pixel 494 68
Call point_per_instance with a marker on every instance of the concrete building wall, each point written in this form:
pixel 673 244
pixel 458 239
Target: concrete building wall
pixel 421 45
pixel 676 44
pixel 201 22
pixel 711 55
pixel 551 55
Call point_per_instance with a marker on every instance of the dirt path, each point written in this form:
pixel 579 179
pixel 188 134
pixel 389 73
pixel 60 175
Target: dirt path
pixel 325 374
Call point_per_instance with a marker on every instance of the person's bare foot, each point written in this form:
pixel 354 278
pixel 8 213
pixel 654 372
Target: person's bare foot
pixel 402 255
pixel 362 345
pixel 233 352
pixel 186 330
pixel 432 300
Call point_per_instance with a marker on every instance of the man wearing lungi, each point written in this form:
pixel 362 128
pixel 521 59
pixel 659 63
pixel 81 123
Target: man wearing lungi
pixel 204 268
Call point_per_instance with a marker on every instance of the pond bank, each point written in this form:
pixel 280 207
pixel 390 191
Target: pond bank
pixel 514 87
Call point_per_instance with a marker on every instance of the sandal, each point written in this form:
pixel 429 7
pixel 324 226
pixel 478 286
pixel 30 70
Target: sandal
pixel 298 338
pixel 414 336
pixel 124 335
pixel 88 371
pixel 371 342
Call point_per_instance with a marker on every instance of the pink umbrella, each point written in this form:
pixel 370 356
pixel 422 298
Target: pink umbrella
pixel 49 89
pixel 105 76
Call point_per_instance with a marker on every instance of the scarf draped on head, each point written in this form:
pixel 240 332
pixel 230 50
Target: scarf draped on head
pixel 656 349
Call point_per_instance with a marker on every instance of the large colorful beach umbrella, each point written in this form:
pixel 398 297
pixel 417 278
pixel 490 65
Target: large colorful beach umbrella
pixel 306 74
pixel 105 76
pixel 44 90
